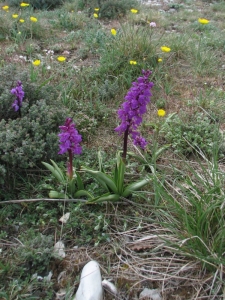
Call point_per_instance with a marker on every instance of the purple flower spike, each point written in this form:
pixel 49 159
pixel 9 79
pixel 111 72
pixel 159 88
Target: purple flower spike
pixel 19 93
pixel 69 138
pixel 132 110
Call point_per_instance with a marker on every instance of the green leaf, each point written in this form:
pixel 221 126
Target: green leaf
pixel 80 185
pixel 45 82
pixel 161 150
pixel 103 179
pixel 72 186
pixel 107 197
pixel 55 173
pixel 56 195
pixel 134 187
pixel 138 157
pixel 81 193
pixel 100 162
pixel 119 174
pixel 58 169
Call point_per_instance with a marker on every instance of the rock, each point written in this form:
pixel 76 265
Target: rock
pixel 90 287
pixel 109 287
pixel 148 294
pixel 48 277
pixel 64 218
pixel 60 295
pixel 59 249
pixel 62 278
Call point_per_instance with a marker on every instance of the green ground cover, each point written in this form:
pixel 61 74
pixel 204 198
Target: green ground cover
pixel 151 219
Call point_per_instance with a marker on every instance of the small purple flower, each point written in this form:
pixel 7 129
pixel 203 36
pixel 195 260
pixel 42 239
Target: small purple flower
pixel 19 93
pixel 69 138
pixel 152 24
pixel 132 110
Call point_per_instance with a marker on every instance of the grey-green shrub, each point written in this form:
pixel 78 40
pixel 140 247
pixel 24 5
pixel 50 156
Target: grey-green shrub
pixel 114 9
pixel 27 140
pixel 108 9
pixel 33 92
pixel 199 134
pixel 38 4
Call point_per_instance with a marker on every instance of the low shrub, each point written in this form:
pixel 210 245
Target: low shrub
pixel 198 135
pixel 108 9
pixel 38 4
pixel 28 139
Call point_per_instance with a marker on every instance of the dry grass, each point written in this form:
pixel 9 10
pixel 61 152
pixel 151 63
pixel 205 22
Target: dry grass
pixel 136 259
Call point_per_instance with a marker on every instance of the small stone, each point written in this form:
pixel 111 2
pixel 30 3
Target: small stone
pixel 110 287
pixel 148 294
pixel 48 277
pixel 59 249
pixel 64 218
pixel 60 295
pixel 62 278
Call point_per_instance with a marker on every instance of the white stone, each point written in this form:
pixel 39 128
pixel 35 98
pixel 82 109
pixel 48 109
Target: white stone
pixel 59 249
pixel 109 287
pixel 150 294
pixel 60 295
pixel 65 218
pixel 48 277
pixel 90 287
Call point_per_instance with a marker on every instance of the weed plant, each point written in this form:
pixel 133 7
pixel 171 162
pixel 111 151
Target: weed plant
pixel 194 206
pixel 200 136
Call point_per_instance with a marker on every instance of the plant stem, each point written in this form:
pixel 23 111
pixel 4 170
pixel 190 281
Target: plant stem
pixel 70 165
pixel 125 139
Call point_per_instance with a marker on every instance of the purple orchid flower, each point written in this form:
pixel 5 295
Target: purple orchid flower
pixel 132 110
pixel 19 93
pixel 69 139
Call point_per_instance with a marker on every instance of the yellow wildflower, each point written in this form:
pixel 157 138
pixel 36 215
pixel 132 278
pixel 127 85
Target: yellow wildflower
pixel 21 20
pixel 133 62
pixel 96 9
pixel 24 4
pixel 203 21
pixel 95 15
pixel 36 62
pixel 165 49
pixel 161 112
pixel 134 11
pixel 6 7
pixel 33 19
pixel 160 60
pixel 61 58
pixel 113 31
pixel 15 16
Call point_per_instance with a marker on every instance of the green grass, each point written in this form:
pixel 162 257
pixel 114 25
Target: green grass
pixel 180 212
